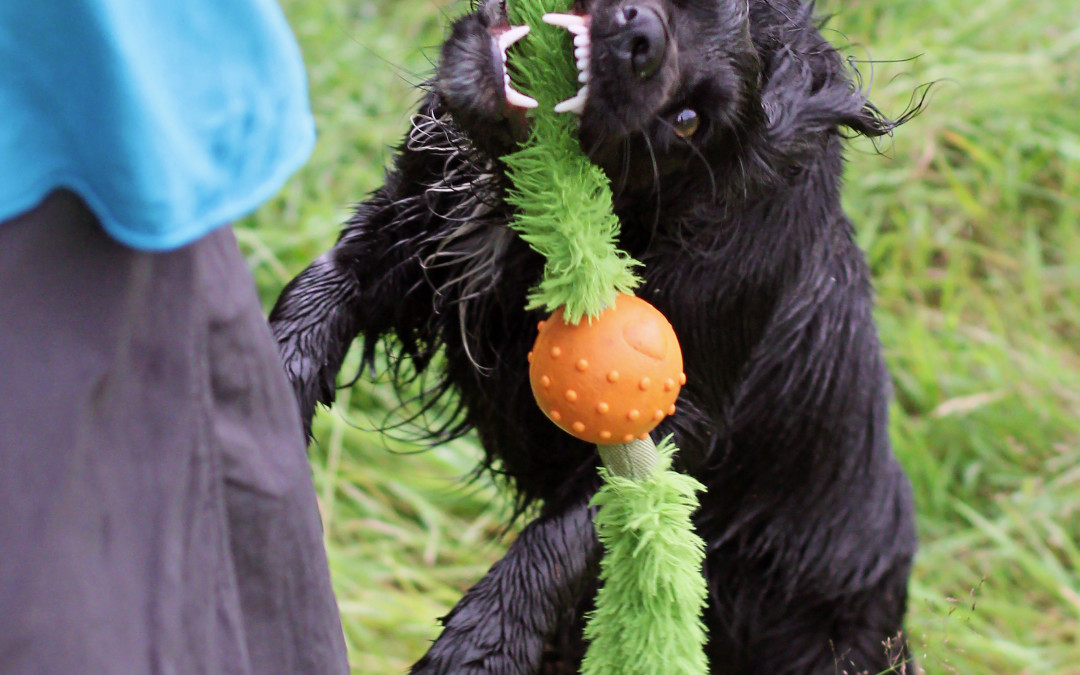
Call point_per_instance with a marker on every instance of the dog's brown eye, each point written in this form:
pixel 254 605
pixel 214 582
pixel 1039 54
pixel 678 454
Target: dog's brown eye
pixel 686 123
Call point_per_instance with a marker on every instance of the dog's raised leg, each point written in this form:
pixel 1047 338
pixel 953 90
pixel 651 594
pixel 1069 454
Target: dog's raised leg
pixel 314 326
pixel 371 282
pixel 367 282
pixel 499 627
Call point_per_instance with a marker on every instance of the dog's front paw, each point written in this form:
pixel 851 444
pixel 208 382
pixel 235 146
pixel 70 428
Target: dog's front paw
pixel 476 641
pixel 314 322
pixel 470 659
pixel 311 383
pixel 476 664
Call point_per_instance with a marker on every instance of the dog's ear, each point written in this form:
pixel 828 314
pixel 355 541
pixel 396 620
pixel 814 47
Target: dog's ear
pixel 810 93
pixel 869 121
pixel 842 105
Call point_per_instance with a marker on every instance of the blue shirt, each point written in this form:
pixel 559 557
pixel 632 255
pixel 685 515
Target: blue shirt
pixel 168 117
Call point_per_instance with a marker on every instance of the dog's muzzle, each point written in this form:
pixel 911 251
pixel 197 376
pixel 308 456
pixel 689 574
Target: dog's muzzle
pixel 640 40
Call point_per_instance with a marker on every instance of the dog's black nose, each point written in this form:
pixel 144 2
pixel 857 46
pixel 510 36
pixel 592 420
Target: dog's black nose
pixel 642 39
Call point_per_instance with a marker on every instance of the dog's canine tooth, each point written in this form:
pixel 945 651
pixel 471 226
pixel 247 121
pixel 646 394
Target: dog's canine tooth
pixel 505 40
pixel 575 23
pixel 568 21
pixel 510 36
pixel 515 97
pixel 576 104
pixel 578 25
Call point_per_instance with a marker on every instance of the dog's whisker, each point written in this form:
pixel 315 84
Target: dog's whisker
pixel 656 183
pixel 624 175
pixel 704 160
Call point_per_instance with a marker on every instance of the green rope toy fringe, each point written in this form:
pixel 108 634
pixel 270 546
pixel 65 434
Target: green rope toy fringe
pixel 563 201
pixel 647 619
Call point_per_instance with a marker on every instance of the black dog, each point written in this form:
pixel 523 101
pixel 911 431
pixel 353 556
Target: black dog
pixel 719 124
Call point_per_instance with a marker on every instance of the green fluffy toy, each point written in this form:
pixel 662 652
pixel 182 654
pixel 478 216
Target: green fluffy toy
pixel 563 201
pixel 648 610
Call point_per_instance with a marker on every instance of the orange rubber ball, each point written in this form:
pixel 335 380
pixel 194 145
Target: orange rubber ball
pixel 609 381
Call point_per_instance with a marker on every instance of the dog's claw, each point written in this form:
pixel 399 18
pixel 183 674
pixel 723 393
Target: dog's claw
pixel 579 26
pixel 504 39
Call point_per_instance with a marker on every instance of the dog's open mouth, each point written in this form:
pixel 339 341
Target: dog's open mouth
pixel 628 43
pixel 625 54
pixel 640 92
pixel 579 26
pixel 504 39
pixel 633 41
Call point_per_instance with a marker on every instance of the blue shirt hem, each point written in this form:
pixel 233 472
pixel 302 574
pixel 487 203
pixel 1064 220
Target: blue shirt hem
pixel 224 214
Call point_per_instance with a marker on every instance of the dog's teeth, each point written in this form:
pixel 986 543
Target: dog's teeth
pixel 573 105
pixel 575 23
pixel 510 36
pixel 515 97
pixel 576 104
pixel 567 21
pixel 505 40
pixel 578 25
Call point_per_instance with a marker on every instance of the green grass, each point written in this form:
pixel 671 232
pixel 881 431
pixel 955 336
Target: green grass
pixel 972 225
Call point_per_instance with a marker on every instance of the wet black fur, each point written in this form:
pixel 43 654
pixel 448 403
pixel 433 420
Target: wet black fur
pixel 808 517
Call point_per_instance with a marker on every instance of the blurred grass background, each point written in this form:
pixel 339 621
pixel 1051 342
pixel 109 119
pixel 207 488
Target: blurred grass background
pixel 971 222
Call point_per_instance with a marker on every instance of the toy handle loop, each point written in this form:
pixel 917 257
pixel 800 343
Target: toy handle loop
pixel 636 460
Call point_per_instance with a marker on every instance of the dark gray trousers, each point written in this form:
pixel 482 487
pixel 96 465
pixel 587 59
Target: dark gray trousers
pixel 157 513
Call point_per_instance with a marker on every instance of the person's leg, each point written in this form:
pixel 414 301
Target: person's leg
pixel 122 545
pixel 290 615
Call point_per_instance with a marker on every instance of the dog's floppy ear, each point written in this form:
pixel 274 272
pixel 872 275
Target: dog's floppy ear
pixel 810 94
pixel 868 120
pixel 809 90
